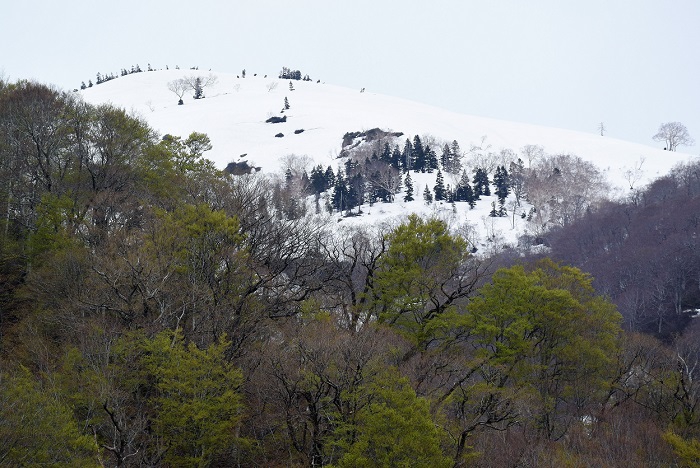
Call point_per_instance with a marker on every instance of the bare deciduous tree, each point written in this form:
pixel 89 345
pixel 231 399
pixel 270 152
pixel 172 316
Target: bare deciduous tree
pixel 674 134
pixel 635 173
pixel 199 83
pixel 182 85
pixel 179 87
pixel 562 188
pixel 532 153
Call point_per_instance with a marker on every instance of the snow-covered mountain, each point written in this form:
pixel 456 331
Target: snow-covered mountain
pixel 235 110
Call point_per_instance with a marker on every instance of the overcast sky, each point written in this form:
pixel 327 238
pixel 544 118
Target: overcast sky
pixel 631 64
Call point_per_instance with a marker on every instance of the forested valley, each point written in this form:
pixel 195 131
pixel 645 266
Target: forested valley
pixel 155 311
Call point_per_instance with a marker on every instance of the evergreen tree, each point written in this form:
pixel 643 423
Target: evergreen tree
pixel 449 194
pixel 427 195
pixel 469 196
pixel 356 191
pixel 446 158
pixel 350 166
pixel 340 193
pixel 456 162
pixel 464 190
pixel 493 213
pixel 418 161
pixel 318 180
pixel 330 177
pixel 455 150
pixel 288 176
pixel 409 188
pixel 501 182
pixel 439 188
pixel 407 155
pixel 291 86
pixel 305 182
pixel 486 184
pixel 386 154
pixel 481 183
pixel 396 159
pixel 198 90
pixel 431 160
pixel 286 103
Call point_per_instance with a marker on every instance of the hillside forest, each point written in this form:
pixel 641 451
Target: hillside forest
pixel 156 311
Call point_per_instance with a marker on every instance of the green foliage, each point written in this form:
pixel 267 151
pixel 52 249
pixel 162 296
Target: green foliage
pixel 193 393
pixel 205 244
pixel 109 236
pixel 547 333
pixel 393 430
pixel 171 167
pixel 52 231
pixel 37 428
pixel 688 451
pixel 414 274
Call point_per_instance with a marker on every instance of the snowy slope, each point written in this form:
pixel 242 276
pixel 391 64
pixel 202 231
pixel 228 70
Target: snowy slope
pixel 234 111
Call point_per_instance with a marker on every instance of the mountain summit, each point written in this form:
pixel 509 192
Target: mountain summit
pixel 278 126
pixel 234 112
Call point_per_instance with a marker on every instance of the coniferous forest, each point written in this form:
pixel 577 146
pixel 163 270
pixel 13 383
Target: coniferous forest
pixel 155 311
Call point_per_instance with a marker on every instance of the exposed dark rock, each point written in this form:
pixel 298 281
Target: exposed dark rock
pixel 367 136
pixel 241 168
pixel 275 119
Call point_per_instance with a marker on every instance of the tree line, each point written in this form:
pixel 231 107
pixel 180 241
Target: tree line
pixel 156 311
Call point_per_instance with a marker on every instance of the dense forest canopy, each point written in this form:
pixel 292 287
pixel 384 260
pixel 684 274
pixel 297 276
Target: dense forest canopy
pixel 155 311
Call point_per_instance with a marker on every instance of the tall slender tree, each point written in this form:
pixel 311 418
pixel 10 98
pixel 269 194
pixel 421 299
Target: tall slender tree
pixel 440 193
pixel 408 183
pixel 418 155
pixel 427 195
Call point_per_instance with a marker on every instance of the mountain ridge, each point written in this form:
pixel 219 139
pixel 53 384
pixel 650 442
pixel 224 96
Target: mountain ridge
pixel 234 111
pixel 314 129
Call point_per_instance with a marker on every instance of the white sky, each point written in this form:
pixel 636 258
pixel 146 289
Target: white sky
pixel 631 64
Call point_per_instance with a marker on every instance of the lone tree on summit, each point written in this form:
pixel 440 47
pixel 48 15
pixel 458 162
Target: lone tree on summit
pixel 673 134
pixel 179 87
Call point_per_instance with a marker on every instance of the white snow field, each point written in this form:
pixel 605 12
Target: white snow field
pixel 234 111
